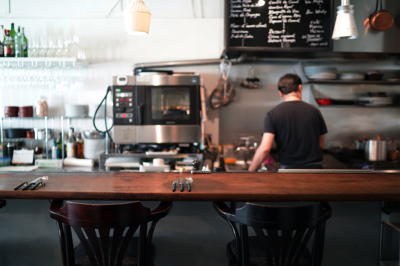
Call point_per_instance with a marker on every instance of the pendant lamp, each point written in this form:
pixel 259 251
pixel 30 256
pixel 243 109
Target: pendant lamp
pixel 345 26
pixel 137 18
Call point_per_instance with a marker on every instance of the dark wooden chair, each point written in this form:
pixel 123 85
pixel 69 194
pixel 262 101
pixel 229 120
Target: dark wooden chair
pixel 2 203
pixel 281 234
pixel 106 232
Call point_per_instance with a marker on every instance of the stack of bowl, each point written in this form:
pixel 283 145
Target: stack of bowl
pixel 26 111
pixel 320 72
pixel 11 111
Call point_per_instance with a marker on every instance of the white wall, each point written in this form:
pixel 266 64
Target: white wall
pixel 176 33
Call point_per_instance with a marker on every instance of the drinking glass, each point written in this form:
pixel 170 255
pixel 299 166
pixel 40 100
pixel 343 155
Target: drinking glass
pixel 60 46
pixel 67 43
pixel 73 51
pixel 43 46
pixel 33 48
pixel 52 45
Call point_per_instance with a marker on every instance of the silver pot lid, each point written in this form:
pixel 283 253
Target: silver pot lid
pixel 93 134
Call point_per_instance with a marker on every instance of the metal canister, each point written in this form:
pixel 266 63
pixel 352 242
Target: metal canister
pixel 376 149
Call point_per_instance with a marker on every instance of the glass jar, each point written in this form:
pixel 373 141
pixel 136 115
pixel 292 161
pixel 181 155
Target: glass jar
pixel 42 109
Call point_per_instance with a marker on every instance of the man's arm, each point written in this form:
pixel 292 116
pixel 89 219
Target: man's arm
pixel 262 151
pixel 321 141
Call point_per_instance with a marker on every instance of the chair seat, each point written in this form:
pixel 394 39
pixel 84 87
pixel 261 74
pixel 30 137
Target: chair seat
pixel 130 258
pixel 257 253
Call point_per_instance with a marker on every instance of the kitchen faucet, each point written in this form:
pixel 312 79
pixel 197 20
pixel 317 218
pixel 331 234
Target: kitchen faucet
pixel 247 149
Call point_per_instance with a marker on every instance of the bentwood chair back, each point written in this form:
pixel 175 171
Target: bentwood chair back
pixel 106 232
pixel 280 234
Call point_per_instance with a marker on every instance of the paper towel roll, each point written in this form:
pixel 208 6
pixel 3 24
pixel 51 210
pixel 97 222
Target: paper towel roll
pixel 78 162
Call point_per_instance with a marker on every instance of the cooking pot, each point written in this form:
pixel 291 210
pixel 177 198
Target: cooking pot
pixel 376 149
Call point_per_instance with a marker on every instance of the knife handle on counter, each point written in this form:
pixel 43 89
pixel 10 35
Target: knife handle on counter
pixel 182 184
pixel 173 186
pixel 20 185
pixel 36 185
pixel 27 186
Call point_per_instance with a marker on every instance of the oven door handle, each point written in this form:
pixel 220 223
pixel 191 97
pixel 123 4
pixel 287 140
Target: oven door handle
pixel 140 113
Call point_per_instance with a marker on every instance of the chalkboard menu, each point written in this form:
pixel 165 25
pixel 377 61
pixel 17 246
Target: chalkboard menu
pixel 252 25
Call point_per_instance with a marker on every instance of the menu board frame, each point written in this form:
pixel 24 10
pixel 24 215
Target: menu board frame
pixel 228 47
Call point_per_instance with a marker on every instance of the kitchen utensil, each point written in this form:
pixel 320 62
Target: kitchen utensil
pixel 20 185
pixel 251 82
pixel 11 111
pixel 373 75
pixel 95 144
pixel 351 76
pixel 324 101
pixel 76 110
pixel 382 19
pixel 15 133
pixel 189 183
pixel 174 182
pixel 376 149
pixel 25 111
pixel 41 182
pixel 375 101
pixel 181 184
pixel 31 183
pixel 224 93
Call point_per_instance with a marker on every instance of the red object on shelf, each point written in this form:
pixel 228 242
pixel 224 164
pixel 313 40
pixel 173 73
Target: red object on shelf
pixel 324 101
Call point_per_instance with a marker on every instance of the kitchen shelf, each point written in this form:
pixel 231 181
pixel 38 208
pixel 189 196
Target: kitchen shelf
pixel 42 62
pixel 371 82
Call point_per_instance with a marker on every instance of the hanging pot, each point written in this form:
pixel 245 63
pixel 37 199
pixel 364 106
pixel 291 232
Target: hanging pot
pixel 381 20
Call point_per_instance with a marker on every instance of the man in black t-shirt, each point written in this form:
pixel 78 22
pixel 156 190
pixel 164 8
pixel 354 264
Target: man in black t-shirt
pixel 297 127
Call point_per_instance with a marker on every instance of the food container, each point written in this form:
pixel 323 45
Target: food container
pixel 11 111
pixel 376 149
pixel 30 134
pixel 40 133
pixel 42 108
pixel 15 133
pixel 94 145
pixel 394 155
pixel 76 110
pixel 25 111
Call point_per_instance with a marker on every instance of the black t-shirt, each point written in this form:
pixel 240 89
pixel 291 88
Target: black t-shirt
pixel 297 126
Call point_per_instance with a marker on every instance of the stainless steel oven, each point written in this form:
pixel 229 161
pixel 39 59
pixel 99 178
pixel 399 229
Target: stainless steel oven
pixel 156 108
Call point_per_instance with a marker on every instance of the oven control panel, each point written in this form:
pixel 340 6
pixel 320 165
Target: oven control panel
pixel 123 105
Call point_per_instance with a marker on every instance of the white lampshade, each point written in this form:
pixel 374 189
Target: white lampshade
pixel 345 26
pixel 137 18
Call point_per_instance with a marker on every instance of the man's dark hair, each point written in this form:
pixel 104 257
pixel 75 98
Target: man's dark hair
pixel 289 83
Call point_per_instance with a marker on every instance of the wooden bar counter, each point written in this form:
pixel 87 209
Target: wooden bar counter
pixel 207 187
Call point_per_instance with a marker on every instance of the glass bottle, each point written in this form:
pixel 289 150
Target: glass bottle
pixel 70 143
pixel 54 150
pixel 9 45
pixel 1 41
pixel 60 145
pixel 79 146
pixel 18 46
pixel 24 42
pixel 13 33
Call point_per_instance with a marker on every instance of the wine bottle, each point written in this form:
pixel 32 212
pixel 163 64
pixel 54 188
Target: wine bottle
pixel 24 42
pixel 9 45
pixel 13 33
pixel 70 143
pixel 18 46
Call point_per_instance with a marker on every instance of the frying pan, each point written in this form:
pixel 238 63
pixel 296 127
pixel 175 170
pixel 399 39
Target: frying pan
pixel 381 20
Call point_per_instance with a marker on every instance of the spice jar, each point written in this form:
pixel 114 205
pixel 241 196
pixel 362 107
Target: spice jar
pixel 42 109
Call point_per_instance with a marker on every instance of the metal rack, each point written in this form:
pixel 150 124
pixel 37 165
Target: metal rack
pixel 42 62
pixel 10 122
